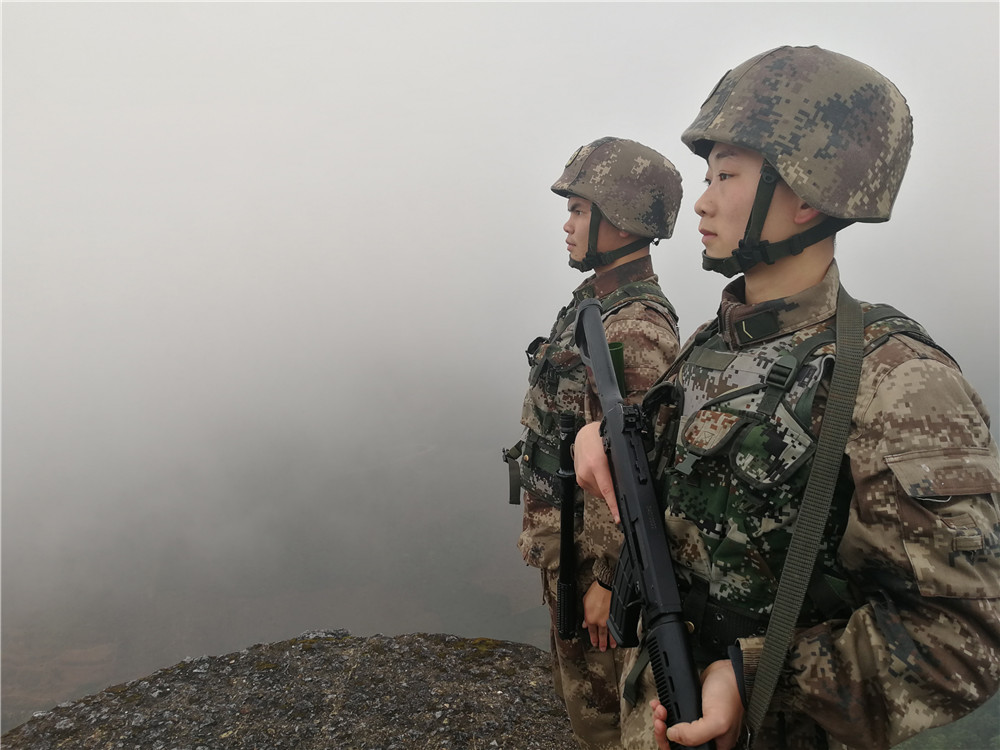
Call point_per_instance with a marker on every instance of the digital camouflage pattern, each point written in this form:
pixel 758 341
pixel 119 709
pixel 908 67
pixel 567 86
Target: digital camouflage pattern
pixel 637 189
pixel 741 462
pixel 915 547
pixel 643 320
pixel 587 681
pixel 838 132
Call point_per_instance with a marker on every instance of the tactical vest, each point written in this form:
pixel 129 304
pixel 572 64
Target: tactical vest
pixel 557 383
pixel 743 433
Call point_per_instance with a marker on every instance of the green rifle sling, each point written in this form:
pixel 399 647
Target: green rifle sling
pixel 811 521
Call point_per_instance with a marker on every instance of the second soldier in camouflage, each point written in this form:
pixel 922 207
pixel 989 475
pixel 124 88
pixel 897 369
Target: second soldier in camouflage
pixel 621 196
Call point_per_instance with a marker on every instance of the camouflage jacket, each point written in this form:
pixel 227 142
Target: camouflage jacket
pixel 558 382
pixel 912 637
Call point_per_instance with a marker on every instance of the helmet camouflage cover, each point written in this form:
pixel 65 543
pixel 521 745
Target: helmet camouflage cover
pixel 636 189
pixel 837 131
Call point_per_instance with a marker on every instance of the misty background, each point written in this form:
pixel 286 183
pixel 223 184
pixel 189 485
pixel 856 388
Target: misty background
pixel 269 271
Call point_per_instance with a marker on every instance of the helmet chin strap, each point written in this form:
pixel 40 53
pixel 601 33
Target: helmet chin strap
pixel 594 259
pixel 753 249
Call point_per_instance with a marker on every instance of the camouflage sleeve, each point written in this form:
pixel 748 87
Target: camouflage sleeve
pixel 649 335
pixel 922 547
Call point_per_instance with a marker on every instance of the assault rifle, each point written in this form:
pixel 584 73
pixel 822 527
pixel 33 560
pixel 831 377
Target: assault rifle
pixel 644 578
pixel 567 619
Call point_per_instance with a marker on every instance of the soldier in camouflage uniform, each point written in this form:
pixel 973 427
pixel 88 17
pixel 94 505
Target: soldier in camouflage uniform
pixel 621 196
pixel 899 630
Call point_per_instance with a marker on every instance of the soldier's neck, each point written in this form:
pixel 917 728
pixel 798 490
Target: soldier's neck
pixel 789 275
pixel 641 252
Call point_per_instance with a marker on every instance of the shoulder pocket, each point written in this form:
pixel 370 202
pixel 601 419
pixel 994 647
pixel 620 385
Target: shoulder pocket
pixel 951 524
pixel 936 475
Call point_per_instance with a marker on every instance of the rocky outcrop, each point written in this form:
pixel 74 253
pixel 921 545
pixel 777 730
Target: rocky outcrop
pixel 323 690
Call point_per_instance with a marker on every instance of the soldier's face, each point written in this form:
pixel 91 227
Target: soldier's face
pixel 577 229
pixel 724 207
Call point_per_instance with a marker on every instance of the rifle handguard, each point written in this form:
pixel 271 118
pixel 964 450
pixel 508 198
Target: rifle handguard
pixel 567 624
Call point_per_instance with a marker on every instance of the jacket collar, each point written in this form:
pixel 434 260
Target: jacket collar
pixel 742 324
pixel 603 285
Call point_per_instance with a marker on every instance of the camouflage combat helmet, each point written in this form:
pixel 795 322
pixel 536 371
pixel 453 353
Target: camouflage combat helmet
pixel 836 131
pixel 632 186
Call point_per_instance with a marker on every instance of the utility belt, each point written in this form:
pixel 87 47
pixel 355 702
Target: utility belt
pixel 533 465
pixel 715 626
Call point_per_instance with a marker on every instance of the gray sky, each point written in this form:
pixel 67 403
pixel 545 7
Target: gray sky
pixel 255 254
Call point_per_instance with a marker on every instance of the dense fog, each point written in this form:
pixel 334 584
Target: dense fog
pixel 269 271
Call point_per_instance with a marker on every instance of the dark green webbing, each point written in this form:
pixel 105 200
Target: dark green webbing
pixel 811 521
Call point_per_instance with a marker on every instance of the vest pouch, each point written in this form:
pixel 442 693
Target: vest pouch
pixel 708 431
pixel 553 364
pixel 660 410
pixel 535 359
pixel 561 362
pixel 768 452
pixel 694 484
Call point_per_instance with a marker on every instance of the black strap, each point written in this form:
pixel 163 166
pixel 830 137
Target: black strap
pixel 594 259
pixel 778 380
pixel 511 457
pixel 612 255
pixel 811 522
pixel 768 181
pixel 630 689
pixel 751 252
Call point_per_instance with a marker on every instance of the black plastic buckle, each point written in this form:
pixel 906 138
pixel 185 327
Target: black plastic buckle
pixel 533 348
pixel 748 254
pixel 782 372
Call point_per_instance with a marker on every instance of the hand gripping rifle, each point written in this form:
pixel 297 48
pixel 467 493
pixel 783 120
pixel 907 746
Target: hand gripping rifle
pixel 644 578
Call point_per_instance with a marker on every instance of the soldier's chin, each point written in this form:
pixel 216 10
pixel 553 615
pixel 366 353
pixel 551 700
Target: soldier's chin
pixel 715 249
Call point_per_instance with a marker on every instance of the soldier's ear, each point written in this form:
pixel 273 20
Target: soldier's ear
pixel 806 214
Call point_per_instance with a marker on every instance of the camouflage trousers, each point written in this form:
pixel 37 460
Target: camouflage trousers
pixel 586 679
pixel 637 720
pixel 780 731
